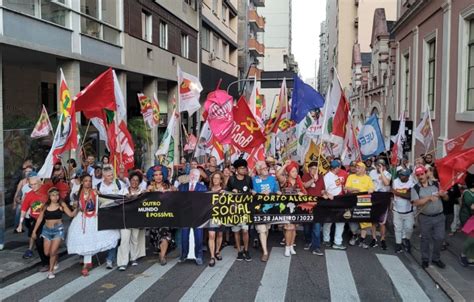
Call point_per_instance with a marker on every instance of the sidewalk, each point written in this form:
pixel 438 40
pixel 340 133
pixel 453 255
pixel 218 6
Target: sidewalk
pixel 455 280
pixel 12 262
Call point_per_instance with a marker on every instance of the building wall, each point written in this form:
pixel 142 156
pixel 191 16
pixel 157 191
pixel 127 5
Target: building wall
pixel 278 20
pixel 347 34
pixel 365 9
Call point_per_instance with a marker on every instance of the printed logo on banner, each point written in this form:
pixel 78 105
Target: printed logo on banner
pixel 231 209
pixel 368 140
pixel 152 210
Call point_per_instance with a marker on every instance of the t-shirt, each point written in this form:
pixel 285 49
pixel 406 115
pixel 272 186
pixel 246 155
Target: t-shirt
pixel 268 184
pixel 242 186
pixel 113 189
pixel 432 207
pixel 333 183
pixel 95 181
pixel 377 179
pixel 34 201
pixel 343 176
pixel 315 188
pixel 400 204
pixel 362 183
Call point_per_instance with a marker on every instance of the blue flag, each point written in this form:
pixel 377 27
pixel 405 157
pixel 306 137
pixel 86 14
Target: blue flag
pixel 303 100
pixel 370 138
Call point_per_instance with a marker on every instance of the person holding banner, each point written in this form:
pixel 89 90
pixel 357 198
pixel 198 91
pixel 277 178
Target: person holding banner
pixel 263 183
pixel 361 182
pixel 216 185
pixel 193 186
pixel 241 183
pixel 160 238
pixel 334 187
pixel 292 185
pixel 402 209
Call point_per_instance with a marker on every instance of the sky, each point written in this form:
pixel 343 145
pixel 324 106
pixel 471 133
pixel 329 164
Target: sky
pixel 307 16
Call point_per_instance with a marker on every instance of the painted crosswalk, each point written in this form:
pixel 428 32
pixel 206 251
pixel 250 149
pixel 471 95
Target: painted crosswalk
pixel 271 279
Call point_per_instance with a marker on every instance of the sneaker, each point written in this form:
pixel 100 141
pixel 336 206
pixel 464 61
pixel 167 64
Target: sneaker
pixel 247 256
pixel 339 247
pixel 425 264
pixel 199 261
pixel 240 256
pixel 134 263
pixel 292 250
pixel 121 268
pixel 373 243
pixel 439 263
pixel 109 265
pixel 287 251
pixel 327 244
pixel 51 275
pixel 407 245
pixel 398 249
pixel 362 244
pixel 383 245
pixel 463 260
pixel 317 252
pixel 182 259
pixel 353 241
pixel 307 246
pixel 28 254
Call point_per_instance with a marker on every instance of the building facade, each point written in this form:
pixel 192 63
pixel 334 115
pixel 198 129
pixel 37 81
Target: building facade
pixel 323 70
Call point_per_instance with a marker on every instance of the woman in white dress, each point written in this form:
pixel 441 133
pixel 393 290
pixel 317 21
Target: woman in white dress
pixel 83 237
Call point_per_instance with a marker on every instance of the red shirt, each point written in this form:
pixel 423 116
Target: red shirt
pixel 34 201
pixel 316 188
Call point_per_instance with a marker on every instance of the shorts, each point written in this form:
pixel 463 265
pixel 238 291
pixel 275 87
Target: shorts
pixel 365 225
pixel 242 226
pixel 383 218
pixel 262 228
pixel 56 232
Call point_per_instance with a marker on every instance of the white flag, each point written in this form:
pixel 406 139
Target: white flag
pixel 168 136
pixel 189 91
pixel 424 131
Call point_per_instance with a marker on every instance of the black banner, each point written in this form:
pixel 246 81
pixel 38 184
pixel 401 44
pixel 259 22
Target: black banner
pixel 195 209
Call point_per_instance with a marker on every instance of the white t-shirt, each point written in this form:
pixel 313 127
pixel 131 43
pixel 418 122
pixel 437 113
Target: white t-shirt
pixel 377 179
pixel 95 181
pixel 332 183
pixel 113 189
pixel 400 204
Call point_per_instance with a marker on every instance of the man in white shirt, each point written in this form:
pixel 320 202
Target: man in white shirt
pixel 334 187
pixel 111 187
pixel 381 179
pixel 403 214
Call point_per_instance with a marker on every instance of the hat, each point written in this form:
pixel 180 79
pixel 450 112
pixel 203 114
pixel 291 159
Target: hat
pixel 335 164
pixel 380 162
pixel 404 172
pixel 360 164
pixel 240 163
pixel 420 170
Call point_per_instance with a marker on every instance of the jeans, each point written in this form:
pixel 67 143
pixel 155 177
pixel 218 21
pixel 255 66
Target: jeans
pixel 308 232
pixel 403 225
pixel 432 231
pixel 198 237
pixel 316 236
pixel 17 216
pixel 337 234
pixel 456 224
pixel 112 254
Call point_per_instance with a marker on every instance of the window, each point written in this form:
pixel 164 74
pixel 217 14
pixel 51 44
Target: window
pixel 90 7
pixel 22 6
pixel 215 45
pixel 103 19
pixel 224 13
pixel 52 11
pixel 163 35
pixel 225 52
pixel 406 81
pixel 206 38
pixel 147 26
pixel 470 68
pixel 184 46
pixel 431 50
pixel 110 11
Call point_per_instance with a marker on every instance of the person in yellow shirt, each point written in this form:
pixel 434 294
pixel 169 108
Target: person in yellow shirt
pixel 361 182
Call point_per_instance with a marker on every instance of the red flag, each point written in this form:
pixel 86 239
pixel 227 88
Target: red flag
pixel 97 96
pixel 397 149
pixel 257 154
pixel 453 167
pixel 121 141
pixel 246 134
pixel 456 144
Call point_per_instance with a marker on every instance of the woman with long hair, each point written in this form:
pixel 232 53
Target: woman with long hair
pixel 132 241
pixel 161 238
pixel 216 185
pixel 291 184
pixel 83 236
pixel 53 229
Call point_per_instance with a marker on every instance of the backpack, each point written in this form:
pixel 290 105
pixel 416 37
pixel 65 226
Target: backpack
pixel 117 182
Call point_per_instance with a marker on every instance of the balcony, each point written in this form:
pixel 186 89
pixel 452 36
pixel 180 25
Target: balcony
pixel 258 3
pixel 255 48
pixel 256 22
pixel 255 72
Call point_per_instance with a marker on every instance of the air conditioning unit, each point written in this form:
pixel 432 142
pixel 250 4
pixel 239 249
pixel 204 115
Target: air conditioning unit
pixel 212 56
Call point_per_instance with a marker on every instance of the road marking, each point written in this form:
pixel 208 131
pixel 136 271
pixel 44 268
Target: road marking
pixel 210 279
pixel 275 277
pixel 404 282
pixel 341 282
pixel 70 289
pixel 22 284
pixel 142 282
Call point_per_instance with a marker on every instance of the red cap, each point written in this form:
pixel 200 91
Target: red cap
pixel 420 170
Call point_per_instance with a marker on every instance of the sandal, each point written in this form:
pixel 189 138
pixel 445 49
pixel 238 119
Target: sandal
pixel 212 262
pixel 218 256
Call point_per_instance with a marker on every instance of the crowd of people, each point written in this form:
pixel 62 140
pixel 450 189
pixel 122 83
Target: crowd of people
pixel 72 191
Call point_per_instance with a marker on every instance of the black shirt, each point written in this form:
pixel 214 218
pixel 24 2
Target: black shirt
pixel 242 186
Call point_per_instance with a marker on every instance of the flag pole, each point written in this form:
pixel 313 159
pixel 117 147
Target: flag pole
pixel 323 126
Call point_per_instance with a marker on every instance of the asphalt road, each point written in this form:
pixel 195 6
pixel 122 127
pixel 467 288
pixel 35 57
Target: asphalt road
pixel 352 275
